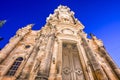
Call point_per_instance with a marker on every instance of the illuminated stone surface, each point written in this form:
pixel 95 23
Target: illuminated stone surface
pixel 59 51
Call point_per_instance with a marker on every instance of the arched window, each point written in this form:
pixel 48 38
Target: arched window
pixel 14 67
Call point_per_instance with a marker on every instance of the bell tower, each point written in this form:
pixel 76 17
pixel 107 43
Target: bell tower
pixel 59 51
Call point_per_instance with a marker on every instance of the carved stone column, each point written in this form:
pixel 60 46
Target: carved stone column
pixel 53 70
pixel 99 73
pixel 22 73
pixel 110 61
pixel 34 70
pixel 43 73
pixel 83 63
pixel 40 54
pixel 108 72
pixel 87 66
pixel 29 63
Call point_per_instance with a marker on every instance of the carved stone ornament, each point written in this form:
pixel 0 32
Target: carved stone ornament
pixel 59 51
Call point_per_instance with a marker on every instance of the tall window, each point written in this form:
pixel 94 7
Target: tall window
pixel 14 67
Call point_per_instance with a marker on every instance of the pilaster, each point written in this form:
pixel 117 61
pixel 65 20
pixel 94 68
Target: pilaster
pixel 30 59
pixel 59 61
pixel 83 62
pixel 99 73
pixel 43 73
pixel 110 61
pixel 53 69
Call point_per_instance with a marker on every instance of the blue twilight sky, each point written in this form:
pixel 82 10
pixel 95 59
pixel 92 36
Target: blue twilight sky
pixel 100 17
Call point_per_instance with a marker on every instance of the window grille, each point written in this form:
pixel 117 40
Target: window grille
pixel 14 67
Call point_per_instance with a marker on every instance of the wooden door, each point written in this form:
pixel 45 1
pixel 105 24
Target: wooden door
pixel 71 67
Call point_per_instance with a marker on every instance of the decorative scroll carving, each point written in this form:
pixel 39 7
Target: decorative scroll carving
pixel 66 70
pixel 78 71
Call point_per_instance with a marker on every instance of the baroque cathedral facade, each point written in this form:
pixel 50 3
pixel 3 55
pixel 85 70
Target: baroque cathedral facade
pixel 59 51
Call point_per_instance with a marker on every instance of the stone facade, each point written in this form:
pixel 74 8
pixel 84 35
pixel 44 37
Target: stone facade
pixel 59 51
